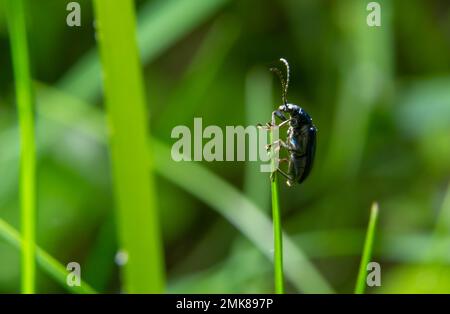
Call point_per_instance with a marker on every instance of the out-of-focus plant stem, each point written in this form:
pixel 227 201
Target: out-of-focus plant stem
pixel 24 95
pixel 137 217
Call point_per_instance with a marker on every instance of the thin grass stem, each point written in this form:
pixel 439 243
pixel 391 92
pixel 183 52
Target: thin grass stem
pixel 277 232
pixel 367 251
pixel 24 95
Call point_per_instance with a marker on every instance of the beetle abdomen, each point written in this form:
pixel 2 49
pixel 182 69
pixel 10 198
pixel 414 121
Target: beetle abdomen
pixel 307 159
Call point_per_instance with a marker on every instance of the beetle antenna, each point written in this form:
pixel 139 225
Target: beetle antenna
pixel 284 84
pixel 280 76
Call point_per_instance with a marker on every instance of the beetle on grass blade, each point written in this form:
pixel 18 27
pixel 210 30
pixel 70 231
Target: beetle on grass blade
pixel 301 135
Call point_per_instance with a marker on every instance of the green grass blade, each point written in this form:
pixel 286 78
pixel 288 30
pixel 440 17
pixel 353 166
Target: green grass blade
pixel 258 108
pixel 277 238
pixel 137 217
pixel 155 19
pixel 367 252
pixel 277 231
pixel 24 94
pixel 48 263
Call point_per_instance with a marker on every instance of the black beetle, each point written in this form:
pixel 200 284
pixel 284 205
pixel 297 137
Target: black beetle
pixel 301 135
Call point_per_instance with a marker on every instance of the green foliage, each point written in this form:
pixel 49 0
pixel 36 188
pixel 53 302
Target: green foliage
pixel 46 261
pixel 194 178
pixel 379 99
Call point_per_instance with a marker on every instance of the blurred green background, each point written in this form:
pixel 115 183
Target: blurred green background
pixel 380 97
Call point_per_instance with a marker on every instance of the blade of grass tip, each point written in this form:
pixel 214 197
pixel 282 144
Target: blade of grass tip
pixel 24 95
pixel 137 217
pixel 277 231
pixel 48 263
pixel 367 252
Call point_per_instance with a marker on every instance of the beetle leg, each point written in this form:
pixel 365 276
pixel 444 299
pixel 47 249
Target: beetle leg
pixel 279 114
pixel 279 160
pixel 267 126
pixel 285 122
pixel 284 174
pixel 279 144
pixel 289 178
